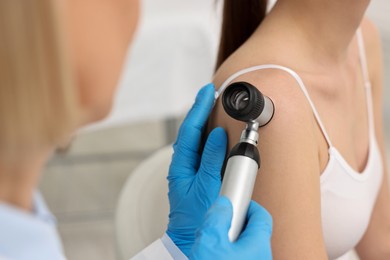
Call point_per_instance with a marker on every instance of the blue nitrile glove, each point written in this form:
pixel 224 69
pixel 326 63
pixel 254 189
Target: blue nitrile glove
pixel 212 241
pixel 194 179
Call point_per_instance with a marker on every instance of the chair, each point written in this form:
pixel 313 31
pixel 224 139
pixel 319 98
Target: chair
pixel 143 207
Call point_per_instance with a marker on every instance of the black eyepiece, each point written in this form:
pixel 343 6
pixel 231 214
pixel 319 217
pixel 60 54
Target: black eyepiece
pixel 243 101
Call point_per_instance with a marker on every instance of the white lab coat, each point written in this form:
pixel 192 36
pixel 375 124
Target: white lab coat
pixel 34 236
pixel 156 250
pixel 163 249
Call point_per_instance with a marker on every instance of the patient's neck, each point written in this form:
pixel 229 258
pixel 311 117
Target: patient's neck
pixel 19 179
pixel 328 25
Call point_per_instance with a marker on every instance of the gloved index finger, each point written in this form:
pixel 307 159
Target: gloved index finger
pixel 201 109
pixel 190 133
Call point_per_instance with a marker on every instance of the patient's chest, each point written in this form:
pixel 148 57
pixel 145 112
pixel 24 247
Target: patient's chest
pixel 347 200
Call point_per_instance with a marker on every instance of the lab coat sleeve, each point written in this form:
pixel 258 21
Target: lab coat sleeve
pixel 163 249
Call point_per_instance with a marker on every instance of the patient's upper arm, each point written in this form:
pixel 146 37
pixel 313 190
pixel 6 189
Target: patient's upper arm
pixel 288 183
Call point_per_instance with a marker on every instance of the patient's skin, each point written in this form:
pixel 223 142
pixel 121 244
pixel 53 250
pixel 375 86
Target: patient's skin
pixel 293 149
pixel 99 33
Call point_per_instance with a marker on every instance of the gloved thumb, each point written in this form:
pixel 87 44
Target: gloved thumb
pixel 212 235
pixel 258 231
pixel 217 222
pixel 213 156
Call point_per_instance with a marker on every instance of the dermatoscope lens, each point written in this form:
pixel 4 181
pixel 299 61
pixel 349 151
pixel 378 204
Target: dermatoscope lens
pixel 240 99
pixel 243 101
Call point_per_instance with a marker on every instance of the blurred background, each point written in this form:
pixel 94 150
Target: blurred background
pixel 173 56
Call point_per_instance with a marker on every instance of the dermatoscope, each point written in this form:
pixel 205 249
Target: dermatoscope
pixel 244 102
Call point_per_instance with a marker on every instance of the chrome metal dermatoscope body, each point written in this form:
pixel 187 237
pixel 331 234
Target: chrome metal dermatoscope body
pixel 242 101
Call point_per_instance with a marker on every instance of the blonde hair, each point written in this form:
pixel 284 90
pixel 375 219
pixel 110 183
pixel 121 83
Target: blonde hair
pixel 38 100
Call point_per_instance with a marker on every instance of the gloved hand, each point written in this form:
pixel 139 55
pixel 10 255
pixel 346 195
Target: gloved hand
pixel 194 179
pixel 212 240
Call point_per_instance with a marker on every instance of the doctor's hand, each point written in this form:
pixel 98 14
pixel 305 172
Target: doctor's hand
pixel 194 179
pixel 212 241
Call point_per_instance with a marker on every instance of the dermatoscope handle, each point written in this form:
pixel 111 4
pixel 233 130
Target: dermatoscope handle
pixel 244 102
pixel 238 183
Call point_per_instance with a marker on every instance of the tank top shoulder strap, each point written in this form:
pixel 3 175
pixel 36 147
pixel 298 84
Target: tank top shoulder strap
pixel 367 82
pixel 290 72
pixel 362 57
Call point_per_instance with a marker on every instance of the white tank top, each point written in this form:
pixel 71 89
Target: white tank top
pixel 347 197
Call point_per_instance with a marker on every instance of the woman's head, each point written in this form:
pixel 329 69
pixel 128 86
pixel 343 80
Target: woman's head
pixel 38 100
pixel 47 87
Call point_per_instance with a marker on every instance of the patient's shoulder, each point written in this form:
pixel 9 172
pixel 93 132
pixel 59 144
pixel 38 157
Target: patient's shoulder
pixel 371 33
pixel 292 109
pixel 373 50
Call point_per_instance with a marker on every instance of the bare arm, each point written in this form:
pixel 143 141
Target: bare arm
pixel 288 183
pixel 376 241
